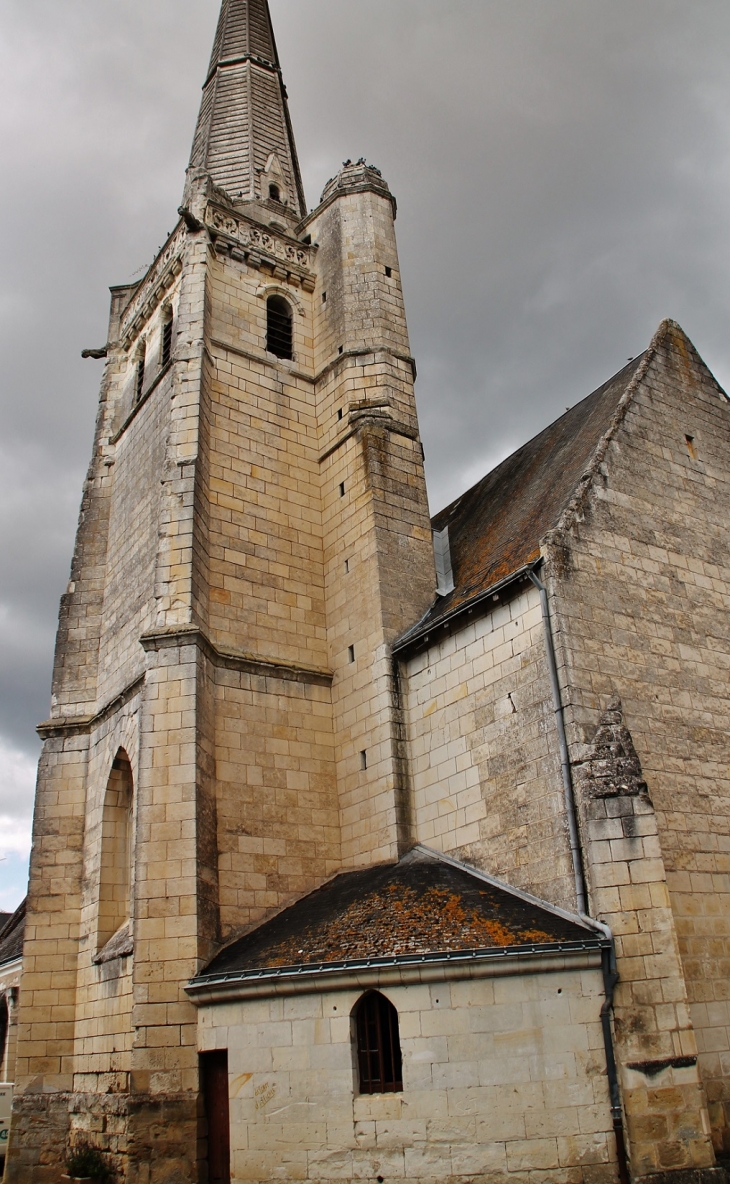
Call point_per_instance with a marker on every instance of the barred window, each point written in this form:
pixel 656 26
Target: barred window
pixel 378 1045
pixel 278 327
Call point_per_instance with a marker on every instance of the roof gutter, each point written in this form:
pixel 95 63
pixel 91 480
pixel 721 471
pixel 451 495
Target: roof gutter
pixel 403 970
pixel 422 630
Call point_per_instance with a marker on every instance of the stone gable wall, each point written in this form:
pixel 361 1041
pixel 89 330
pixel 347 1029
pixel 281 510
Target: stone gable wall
pixel 640 591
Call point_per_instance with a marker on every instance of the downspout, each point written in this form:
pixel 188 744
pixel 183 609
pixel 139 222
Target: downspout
pixel 580 886
pixel 608 954
pixel 610 978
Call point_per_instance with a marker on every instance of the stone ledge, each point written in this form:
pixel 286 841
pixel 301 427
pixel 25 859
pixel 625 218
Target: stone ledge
pixel 716 1175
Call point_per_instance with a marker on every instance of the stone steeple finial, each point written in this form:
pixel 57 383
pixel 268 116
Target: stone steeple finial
pixel 244 139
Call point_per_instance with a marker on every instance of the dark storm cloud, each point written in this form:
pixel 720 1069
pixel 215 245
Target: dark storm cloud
pixel 563 175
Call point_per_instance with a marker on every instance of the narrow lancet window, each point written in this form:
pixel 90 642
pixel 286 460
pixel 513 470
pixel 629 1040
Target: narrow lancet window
pixel 139 373
pixel 166 351
pixel 378 1045
pixel 278 327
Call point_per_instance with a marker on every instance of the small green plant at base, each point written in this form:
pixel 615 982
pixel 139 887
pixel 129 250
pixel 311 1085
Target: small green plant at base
pixel 85 1161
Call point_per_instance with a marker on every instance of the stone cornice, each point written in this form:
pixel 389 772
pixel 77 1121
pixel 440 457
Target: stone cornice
pixel 285 255
pixel 73 725
pixel 235 659
pixel 153 285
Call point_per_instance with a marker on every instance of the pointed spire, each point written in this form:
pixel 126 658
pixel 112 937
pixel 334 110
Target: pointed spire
pixel 244 116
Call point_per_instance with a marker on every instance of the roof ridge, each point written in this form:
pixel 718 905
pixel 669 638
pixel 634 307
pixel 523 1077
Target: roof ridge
pixel 503 886
pixel 576 503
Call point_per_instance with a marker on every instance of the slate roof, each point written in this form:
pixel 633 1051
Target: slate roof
pixel 495 527
pixel 12 929
pixel 244 113
pixel 421 906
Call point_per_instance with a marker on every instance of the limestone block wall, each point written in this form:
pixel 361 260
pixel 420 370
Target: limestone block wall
pixel 128 606
pixel 503 1078
pixel 640 596
pixel 662 1093
pixel 277 808
pixel 483 750
pixel 264 563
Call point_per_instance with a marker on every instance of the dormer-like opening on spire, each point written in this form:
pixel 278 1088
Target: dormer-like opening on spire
pixel 273 185
pixel 279 327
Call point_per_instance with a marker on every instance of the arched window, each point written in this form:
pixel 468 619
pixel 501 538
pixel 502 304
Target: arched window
pixel 274 193
pixel 115 882
pixel 166 346
pixel 139 372
pixel 278 327
pixel 379 1058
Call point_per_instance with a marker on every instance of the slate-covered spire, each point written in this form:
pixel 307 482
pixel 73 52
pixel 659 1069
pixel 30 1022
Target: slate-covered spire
pixel 244 138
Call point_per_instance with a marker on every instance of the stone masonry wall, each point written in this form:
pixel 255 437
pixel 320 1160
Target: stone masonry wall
pixel 641 581
pixel 503 1080
pixel 483 750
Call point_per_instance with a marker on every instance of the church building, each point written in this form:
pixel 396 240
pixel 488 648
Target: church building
pixel 369 846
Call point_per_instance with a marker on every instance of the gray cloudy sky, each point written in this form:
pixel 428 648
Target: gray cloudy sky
pixel 562 169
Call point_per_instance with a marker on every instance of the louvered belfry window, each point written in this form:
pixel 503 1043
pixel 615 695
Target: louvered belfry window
pixel 166 340
pixel 378 1046
pixel 139 374
pixel 278 327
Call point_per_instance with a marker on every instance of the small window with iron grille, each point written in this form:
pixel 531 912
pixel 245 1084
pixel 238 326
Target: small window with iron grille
pixel 278 327
pixel 139 373
pixel 379 1058
pixel 166 353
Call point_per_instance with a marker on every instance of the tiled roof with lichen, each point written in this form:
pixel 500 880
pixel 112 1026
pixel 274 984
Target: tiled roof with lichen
pixel 421 905
pixel 495 527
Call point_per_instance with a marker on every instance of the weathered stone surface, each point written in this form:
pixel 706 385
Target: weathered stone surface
pixel 611 767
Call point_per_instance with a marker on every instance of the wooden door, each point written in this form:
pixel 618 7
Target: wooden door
pixel 214 1084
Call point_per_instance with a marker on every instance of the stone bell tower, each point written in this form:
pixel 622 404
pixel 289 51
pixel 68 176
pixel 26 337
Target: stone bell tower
pixel 254 532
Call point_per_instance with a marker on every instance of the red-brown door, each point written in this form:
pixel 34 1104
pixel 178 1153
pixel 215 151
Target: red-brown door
pixel 214 1083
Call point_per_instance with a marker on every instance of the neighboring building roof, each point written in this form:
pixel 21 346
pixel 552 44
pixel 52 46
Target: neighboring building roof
pixel 422 906
pixel 12 930
pixel 495 527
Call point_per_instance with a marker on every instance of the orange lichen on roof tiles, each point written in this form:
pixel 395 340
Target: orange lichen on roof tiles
pixel 421 906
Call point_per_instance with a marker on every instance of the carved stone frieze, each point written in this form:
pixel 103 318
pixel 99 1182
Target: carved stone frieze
pixel 165 267
pixel 260 244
